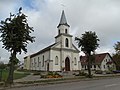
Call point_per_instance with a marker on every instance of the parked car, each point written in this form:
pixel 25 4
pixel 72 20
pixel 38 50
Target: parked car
pixel 116 71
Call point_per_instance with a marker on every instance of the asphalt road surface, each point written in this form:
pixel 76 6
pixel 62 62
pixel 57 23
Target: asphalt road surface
pixel 103 84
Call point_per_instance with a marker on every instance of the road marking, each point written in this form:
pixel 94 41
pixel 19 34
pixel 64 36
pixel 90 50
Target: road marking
pixel 110 85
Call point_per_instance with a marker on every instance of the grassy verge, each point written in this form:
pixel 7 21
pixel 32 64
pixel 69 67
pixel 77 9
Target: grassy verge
pixel 16 75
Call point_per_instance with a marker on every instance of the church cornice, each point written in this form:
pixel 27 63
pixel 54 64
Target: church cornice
pixel 64 34
pixel 63 24
pixel 65 49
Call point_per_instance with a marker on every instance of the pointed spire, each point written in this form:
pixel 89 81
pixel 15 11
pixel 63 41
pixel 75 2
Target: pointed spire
pixel 63 20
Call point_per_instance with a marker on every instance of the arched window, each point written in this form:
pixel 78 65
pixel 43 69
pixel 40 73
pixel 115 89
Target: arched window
pixel 43 61
pixel 38 61
pixel 66 31
pixel 56 60
pixel 66 42
pixel 75 61
pixel 59 31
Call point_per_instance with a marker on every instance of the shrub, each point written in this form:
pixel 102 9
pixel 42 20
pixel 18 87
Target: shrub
pixel 109 72
pixel 81 73
pixel 53 75
pixel 50 73
pixel 98 72
pixel 43 76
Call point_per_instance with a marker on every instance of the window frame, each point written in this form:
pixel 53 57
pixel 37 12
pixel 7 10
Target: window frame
pixel 66 42
pixel 56 60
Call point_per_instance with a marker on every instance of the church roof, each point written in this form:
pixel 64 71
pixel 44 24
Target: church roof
pixel 41 51
pixel 63 20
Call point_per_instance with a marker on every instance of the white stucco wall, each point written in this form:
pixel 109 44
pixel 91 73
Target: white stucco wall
pixel 53 54
pixel 62 28
pixel 27 63
pixel 69 41
pixel 103 64
pixel 38 61
pixel 71 56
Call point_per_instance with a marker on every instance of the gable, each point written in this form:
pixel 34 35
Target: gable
pixel 75 48
pixel 57 45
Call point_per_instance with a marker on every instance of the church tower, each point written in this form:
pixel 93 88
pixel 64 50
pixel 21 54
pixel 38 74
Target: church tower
pixel 69 54
pixel 63 33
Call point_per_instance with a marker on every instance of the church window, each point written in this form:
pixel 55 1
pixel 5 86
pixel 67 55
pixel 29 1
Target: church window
pixel 75 61
pixel 66 43
pixel 43 61
pixel 34 62
pixel 104 66
pixel 38 61
pixel 66 31
pixel 56 60
pixel 59 31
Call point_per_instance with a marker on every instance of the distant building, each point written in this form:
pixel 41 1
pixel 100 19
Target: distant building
pixel 62 55
pixel 27 63
pixel 102 62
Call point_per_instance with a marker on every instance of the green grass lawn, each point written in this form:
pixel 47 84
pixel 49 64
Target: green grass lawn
pixel 17 75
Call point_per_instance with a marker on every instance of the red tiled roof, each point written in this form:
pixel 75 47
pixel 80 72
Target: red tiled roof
pixel 98 58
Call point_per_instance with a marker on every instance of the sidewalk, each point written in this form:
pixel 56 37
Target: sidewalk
pixel 36 80
pixel 28 78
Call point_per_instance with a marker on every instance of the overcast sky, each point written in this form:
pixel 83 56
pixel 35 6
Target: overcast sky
pixel 101 16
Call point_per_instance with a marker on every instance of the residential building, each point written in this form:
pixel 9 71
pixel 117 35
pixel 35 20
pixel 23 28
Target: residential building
pixel 103 62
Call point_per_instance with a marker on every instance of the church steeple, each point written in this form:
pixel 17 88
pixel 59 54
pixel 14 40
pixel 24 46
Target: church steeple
pixel 63 20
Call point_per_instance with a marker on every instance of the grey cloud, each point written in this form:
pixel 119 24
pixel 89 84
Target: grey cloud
pixel 101 16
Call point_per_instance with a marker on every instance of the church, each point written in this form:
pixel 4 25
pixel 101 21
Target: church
pixel 60 56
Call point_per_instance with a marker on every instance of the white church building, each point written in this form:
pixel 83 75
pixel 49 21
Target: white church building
pixel 62 55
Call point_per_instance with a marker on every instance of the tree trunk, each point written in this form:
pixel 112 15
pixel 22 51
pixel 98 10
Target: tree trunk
pixel 11 68
pixel 89 65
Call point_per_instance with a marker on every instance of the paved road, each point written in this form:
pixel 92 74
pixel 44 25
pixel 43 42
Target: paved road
pixel 106 84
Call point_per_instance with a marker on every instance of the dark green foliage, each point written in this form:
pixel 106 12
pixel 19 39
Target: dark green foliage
pixel 116 55
pixel 88 43
pixel 98 71
pixel 92 59
pixel 15 35
pixel 81 73
pixel 2 65
pixel 117 47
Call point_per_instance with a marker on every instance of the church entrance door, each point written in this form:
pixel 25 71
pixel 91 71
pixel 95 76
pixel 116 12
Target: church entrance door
pixel 67 64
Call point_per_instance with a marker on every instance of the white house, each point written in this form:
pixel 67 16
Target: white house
pixel 62 55
pixel 101 62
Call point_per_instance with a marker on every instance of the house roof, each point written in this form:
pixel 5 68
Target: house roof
pixel 41 51
pixel 98 58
